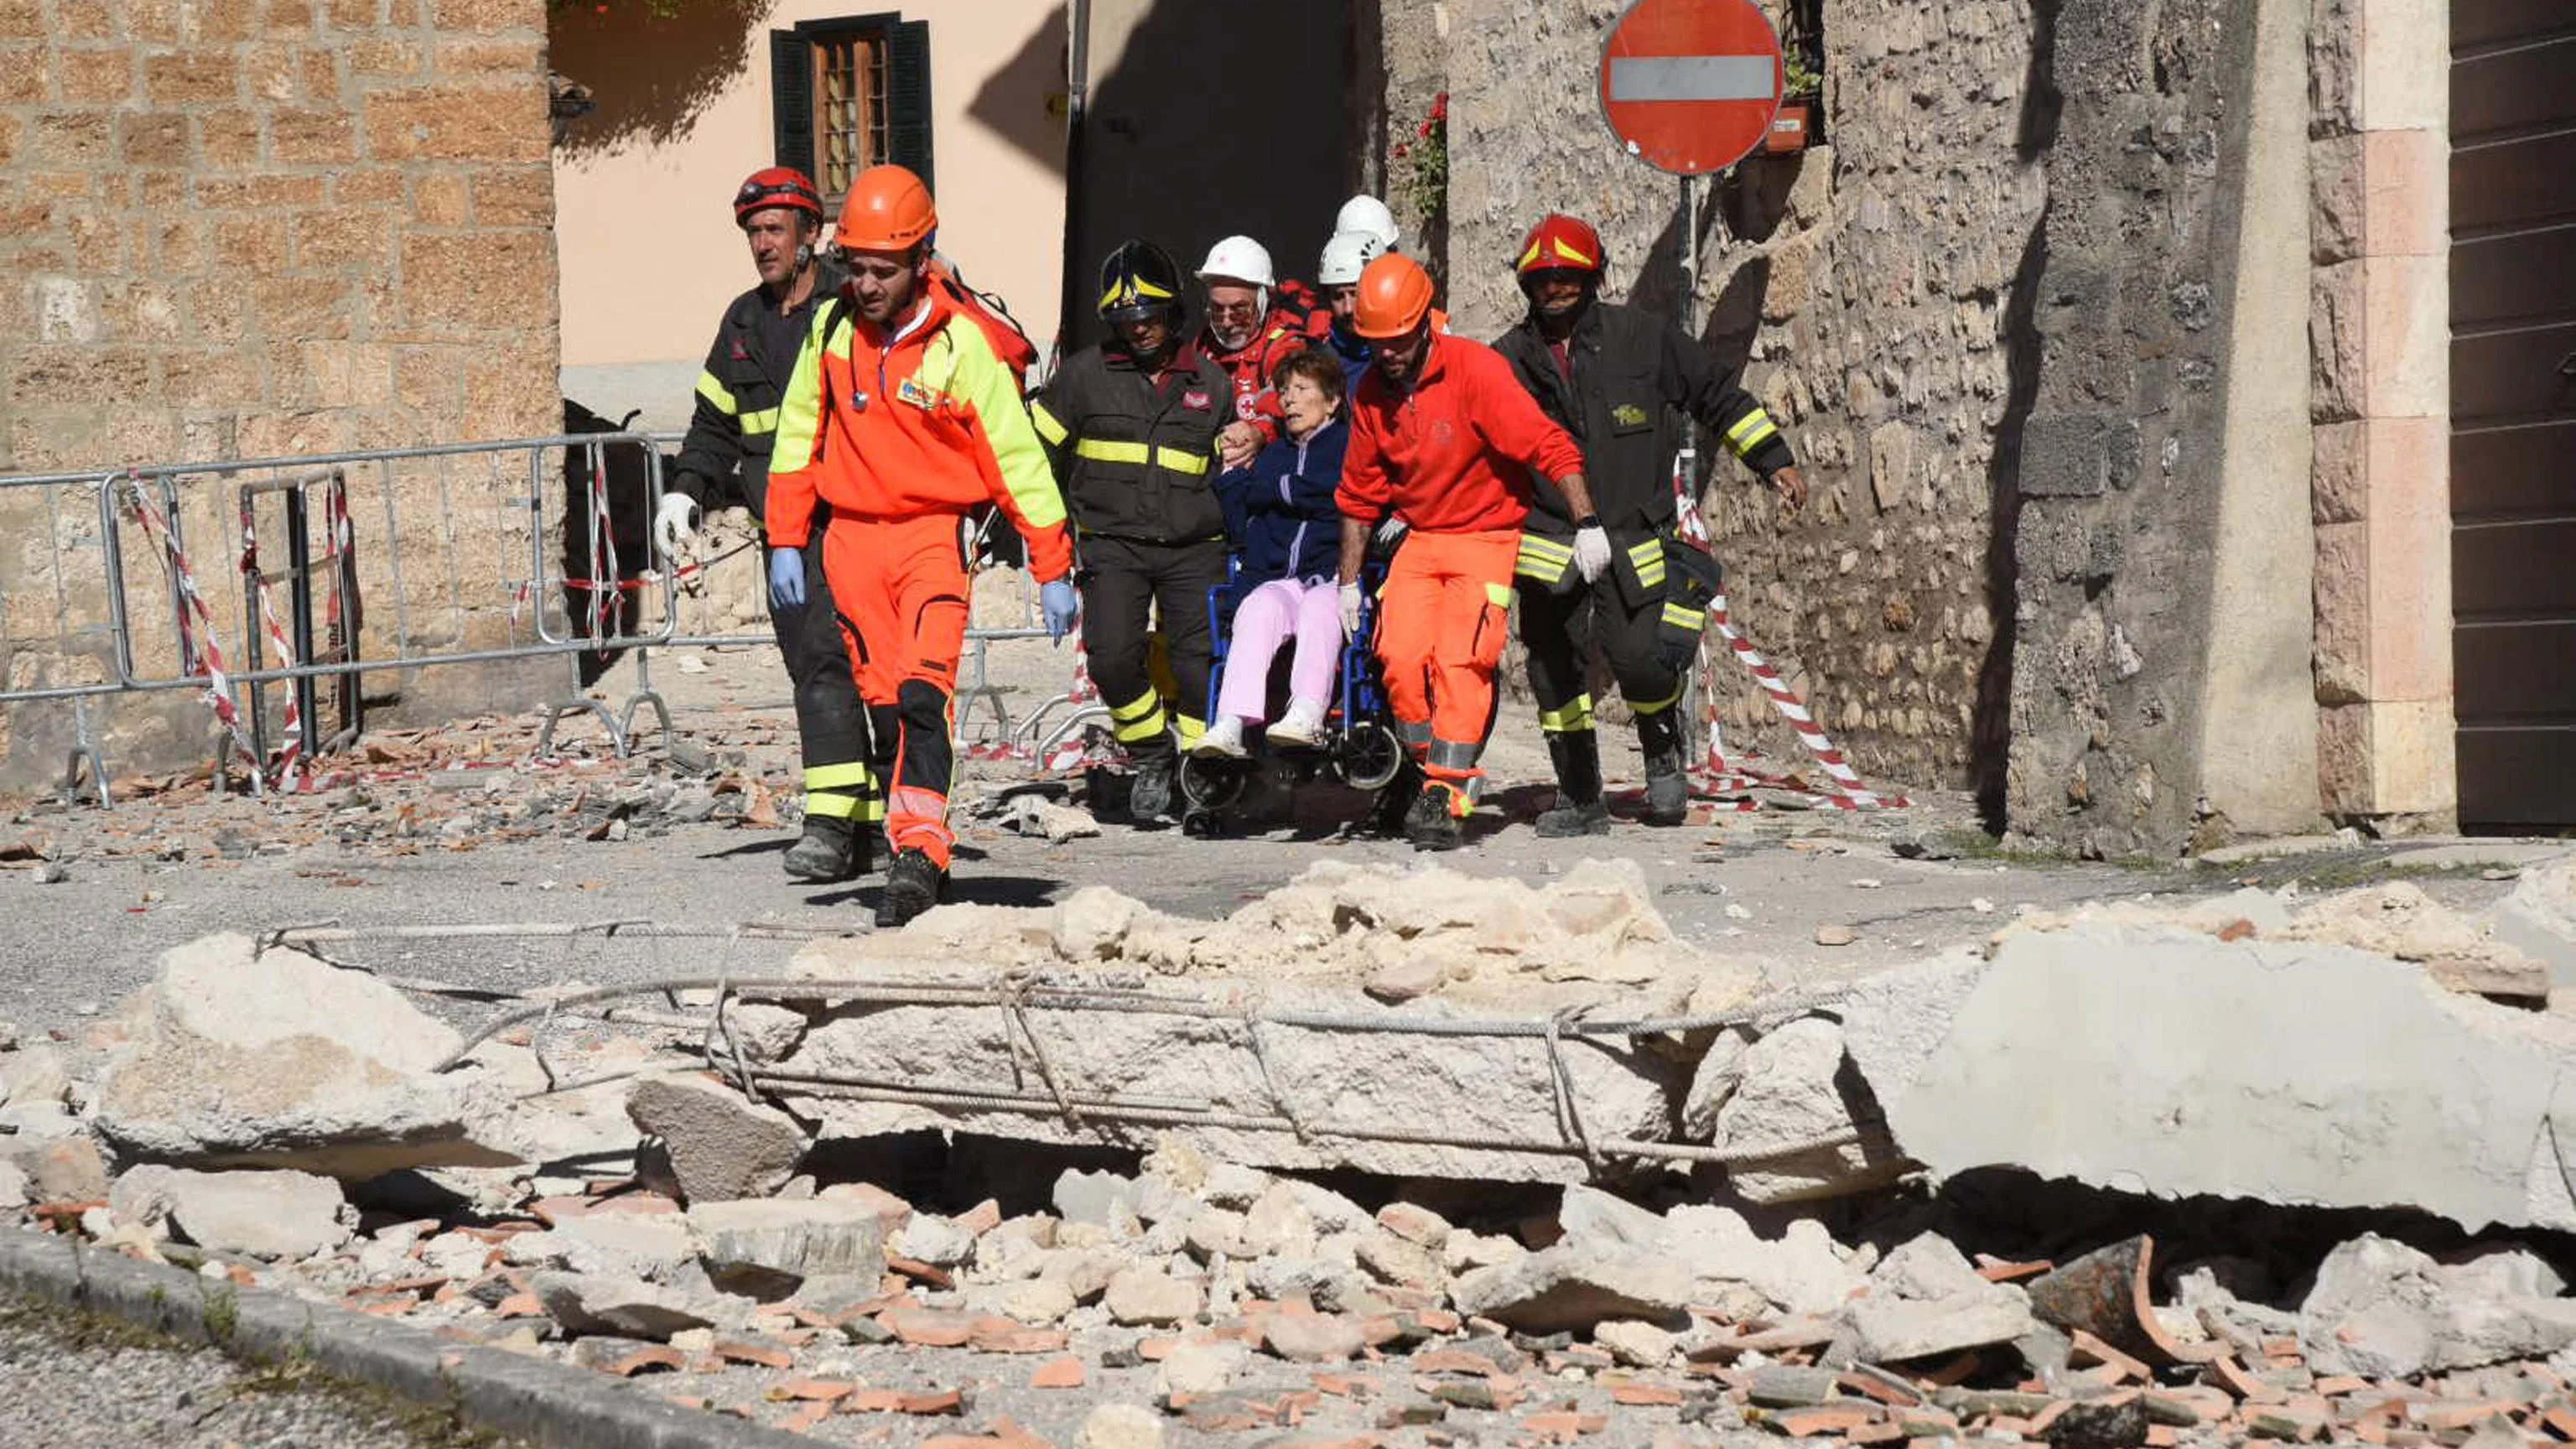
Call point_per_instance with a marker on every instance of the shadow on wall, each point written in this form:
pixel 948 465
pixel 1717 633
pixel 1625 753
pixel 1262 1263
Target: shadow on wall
pixel 1013 103
pixel 649 78
pixel 1208 128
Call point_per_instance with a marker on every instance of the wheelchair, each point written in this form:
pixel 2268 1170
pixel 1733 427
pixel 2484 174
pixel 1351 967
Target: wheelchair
pixel 1359 745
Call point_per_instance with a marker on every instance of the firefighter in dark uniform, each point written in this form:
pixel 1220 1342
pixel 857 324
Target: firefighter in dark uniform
pixel 1617 378
pixel 725 459
pixel 1131 426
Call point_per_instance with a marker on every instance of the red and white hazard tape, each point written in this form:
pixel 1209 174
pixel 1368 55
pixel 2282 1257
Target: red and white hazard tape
pixel 290 752
pixel 1719 777
pixel 196 624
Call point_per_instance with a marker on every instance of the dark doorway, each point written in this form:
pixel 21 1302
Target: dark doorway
pixel 2513 408
pixel 1209 120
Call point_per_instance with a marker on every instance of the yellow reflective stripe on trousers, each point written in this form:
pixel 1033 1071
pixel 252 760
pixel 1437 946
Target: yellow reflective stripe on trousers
pixel 1573 718
pixel 1499 595
pixel 1138 719
pixel 852 776
pixel 1655 706
pixel 831 805
pixel 1189 730
pixel 716 392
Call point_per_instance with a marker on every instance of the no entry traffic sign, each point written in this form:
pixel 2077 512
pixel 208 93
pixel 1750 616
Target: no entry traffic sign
pixel 1691 86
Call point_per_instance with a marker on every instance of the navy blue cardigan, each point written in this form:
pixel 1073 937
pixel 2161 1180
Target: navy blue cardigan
pixel 1279 511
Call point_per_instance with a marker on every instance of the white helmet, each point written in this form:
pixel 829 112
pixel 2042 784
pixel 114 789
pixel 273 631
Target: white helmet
pixel 1345 256
pixel 1368 214
pixel 1239 259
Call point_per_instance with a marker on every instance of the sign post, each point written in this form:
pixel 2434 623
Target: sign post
pixel 1691 87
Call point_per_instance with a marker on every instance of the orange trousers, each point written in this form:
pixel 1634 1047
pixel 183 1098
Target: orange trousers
pixel 1443 614
pixel 901 588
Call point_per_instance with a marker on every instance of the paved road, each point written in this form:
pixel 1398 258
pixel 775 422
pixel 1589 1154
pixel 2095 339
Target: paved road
pixel 71 1382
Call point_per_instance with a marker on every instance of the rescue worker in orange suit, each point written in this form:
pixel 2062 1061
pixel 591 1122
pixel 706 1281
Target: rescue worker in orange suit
pixel 903 419
pixel 1131 427
pixel 1444 438
pixel 1618 378
pixel 726 455
pixel 1249 338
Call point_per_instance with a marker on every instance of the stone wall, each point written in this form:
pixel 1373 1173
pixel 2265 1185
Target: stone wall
pixel 245 228
pixel 1866 285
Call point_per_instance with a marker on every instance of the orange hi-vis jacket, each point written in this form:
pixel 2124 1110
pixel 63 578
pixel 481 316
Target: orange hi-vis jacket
pixel 923 420
pixel 1447 455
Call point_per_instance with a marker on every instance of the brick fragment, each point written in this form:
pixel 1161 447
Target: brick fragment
pixel 752 1353
pixel 659 1356
pixel 1645 1395
pixel 819 1391
pixel 1823 1419
pixel 1062 1373
pixel 2090 1349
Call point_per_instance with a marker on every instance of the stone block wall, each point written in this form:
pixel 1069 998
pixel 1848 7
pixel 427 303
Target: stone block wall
pixel 2380 401
pixel 245 228
pixel 1867 287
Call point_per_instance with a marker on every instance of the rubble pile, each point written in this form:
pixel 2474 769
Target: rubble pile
pixel 274 1120
pixel 458 787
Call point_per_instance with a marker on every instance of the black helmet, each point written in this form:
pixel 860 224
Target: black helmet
pixel 1138 281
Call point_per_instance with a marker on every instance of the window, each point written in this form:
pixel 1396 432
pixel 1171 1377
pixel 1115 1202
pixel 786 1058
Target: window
pixel 851 93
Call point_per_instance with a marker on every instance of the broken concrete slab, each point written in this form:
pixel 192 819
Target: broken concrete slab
pixel 2161 1060
pixel 1792 1088
pixel 766 1249
pixel 2382 1309
pixel 1893 1330
pixel 1469 1087
pixel 283 1215
pixel 718 1146
pixel 243 1058
pixel 2539 918
pixel 599 1303
pixel 1573 1285
pixel 57 1169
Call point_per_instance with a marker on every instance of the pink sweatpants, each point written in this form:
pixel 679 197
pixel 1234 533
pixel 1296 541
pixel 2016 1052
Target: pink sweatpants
pixel 1261 622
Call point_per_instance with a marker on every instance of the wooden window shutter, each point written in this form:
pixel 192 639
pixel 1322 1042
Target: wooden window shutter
pixel 908 98
pixel 791 99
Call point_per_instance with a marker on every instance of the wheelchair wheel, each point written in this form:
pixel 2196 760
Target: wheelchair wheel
pixel 1211 785
pixel 1369 756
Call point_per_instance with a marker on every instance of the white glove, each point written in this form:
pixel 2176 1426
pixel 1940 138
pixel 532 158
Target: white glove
pixel 675 525
pixel 1591 552
pixel 1392 532
pixel 1350 611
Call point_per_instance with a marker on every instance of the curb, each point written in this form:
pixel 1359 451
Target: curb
pixel 494 1389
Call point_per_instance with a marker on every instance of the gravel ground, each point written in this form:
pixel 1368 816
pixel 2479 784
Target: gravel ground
pixel 72 1382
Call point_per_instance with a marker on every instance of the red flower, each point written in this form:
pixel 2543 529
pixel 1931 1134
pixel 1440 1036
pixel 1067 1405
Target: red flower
pixel 1440 106
pixel 1402 150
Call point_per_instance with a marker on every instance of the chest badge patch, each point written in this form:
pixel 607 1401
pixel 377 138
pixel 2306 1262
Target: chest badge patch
pixel 1195 400
pixel 1628 415
pixel 915 394
pixel 740 352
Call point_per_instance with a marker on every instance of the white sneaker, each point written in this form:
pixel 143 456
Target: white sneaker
pixel 1304 725
pixel 1222 741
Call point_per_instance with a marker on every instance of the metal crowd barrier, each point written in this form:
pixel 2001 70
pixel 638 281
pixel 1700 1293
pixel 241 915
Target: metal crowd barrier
pixel 474 582
pixel 375 561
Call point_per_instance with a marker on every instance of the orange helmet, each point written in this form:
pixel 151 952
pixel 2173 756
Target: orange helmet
pixel 1395 295
pixel 887 210
pixel 777 186
pixel 1561 242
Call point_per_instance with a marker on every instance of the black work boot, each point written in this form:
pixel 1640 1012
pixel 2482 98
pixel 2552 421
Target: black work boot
pixel 1667 748
pixel 1395 801
pixel 913 885
pixel 1430 824
pixel 1149 791
pixel 1579 811
pixel 830 850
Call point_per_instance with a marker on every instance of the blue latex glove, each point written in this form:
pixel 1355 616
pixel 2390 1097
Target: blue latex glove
pixel 786 578
pixel 1061 606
